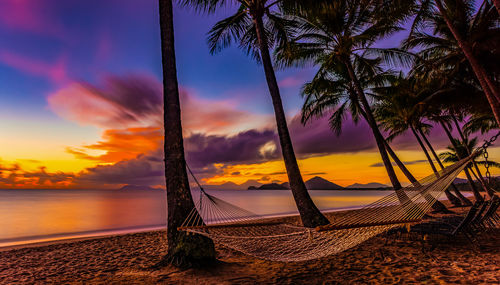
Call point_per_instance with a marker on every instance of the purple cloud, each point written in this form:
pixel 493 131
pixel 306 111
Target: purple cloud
pixel 143 170
pixel 122 102
pixel 316 138
pixel 244 147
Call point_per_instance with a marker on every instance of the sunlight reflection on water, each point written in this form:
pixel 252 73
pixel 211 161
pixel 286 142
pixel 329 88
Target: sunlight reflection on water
pixel 36 215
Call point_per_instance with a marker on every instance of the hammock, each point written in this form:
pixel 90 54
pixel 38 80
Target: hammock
pixel 249 233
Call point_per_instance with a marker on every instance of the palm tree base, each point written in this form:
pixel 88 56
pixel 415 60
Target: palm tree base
pixel 191 251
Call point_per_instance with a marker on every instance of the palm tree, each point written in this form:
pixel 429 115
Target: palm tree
pixel 456 27
pixel 341 33
pixel 480 177
pixel 183 249
pixel 461 198
pixel 400 108
pixel 257 27
pixel 463 153
pixel 480 122
pixel 460 149
pixel 332 90
pixel 459 94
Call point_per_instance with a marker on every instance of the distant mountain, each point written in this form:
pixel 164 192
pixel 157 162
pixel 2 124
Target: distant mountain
pixel 272 186
pixel 318 183
pixel 232 185
pixel 137 187
pixel 249 183
pixel 371 185
pixel 315 183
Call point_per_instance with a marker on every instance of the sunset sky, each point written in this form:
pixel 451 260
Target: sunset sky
pixel 81 104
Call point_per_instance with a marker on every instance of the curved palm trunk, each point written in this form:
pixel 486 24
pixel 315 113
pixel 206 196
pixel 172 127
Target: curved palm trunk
pixel 454 200
pixel 394 157
pixel 477 195
pixel 488 86
pixel 474 174
pixel 400 164
pixel 480 178
pixel 399 192
pixel 374 127
pixel 437 206
pixel 429 159
pixel 309 213
pixel 183 249
pixel 469 178
pixel 463 199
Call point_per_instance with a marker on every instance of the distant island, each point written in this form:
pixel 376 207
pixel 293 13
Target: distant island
pixel 319 183
pixel 315 183
pixel 271 186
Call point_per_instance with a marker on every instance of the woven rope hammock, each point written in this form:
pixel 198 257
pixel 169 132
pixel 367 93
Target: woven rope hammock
pixel 253 235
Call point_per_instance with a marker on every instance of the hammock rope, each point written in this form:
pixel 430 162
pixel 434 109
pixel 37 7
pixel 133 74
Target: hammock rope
pixel 254 235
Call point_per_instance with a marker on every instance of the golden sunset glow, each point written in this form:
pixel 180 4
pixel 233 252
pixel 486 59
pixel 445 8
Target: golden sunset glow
pixel 342 169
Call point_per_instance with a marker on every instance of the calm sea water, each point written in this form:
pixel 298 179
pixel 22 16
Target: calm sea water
pixel 43 215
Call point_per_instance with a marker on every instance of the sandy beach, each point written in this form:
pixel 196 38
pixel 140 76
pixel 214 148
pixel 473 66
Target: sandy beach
pixel 129 258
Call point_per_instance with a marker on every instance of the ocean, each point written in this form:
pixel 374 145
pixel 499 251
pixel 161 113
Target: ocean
pixel 28 216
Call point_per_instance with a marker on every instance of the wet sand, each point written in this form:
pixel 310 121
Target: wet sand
pixel 129 259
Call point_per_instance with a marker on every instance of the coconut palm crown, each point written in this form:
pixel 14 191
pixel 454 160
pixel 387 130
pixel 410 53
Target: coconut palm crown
pixel 341 35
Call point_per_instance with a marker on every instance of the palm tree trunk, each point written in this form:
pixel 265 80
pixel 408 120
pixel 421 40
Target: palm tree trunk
pixel 424 150
pixel 437 206
pixel 400 164
pixel 183 249
pixel 374 127
pixel 476 193
pixel 454 200
pixel 480 178
pixel 469 178
pixel 309 213
pixel 489 88
pixel 394 157
pixel 399 192
pixel 474 174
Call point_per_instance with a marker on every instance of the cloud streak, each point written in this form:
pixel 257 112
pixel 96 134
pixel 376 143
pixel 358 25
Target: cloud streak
pixel 129 109
pixel 54 71
pixel 137 101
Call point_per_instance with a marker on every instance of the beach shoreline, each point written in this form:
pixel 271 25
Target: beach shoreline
pixel 29 241
pixel 129 258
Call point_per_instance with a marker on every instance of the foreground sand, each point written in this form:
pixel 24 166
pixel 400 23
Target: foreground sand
pixel 129 258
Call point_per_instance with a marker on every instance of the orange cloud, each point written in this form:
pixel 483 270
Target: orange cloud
pixel 222 143
pixel 122 144
pixel 14 176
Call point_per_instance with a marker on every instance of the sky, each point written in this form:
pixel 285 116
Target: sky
pixel 81 104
